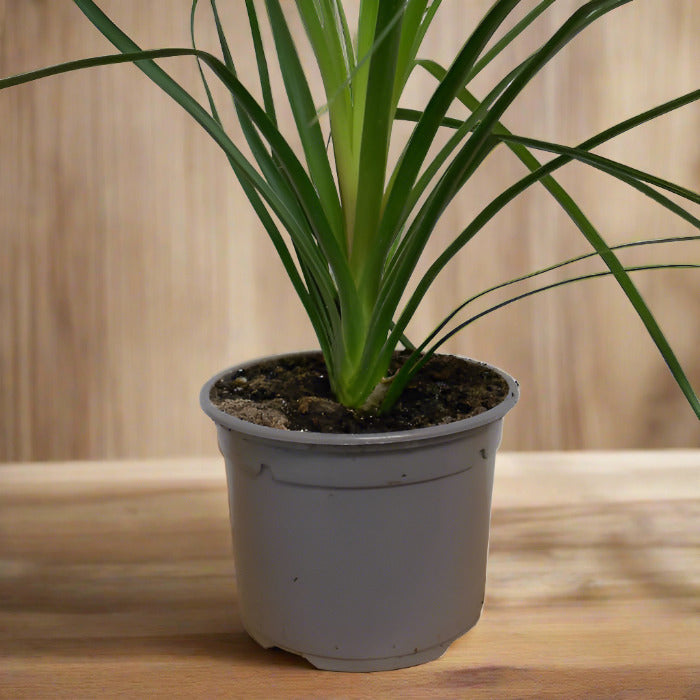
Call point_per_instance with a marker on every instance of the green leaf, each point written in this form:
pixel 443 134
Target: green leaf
pixel 326 29
pixel 261 61
pixel 374 147
pixel 408 45
pixel 507 39
pixel 304 112
pixel 605 164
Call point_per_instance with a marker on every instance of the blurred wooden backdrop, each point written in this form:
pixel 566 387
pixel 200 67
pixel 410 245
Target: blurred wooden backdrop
pixel 132 268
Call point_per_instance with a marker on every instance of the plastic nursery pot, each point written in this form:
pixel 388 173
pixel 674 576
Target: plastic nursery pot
pixel 360 552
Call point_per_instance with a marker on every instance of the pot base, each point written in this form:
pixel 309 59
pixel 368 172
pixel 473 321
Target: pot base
pixel 389 663
pixel 392 663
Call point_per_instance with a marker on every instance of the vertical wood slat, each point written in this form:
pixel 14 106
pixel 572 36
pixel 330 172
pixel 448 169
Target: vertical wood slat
pixel 132 268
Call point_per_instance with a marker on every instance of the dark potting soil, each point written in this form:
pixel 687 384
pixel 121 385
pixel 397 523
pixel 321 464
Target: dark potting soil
pixel 294 394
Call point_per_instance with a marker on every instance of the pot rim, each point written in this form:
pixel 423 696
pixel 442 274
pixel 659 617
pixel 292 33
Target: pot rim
pixel 302 438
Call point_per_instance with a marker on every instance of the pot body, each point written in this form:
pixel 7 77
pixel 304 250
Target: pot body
pixel 360 552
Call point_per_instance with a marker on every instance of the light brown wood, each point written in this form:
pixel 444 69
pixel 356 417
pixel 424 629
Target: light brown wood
pixel 131 268
pixel 116 579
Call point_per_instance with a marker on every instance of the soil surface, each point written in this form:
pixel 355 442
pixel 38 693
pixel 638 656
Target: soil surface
pixel 294 394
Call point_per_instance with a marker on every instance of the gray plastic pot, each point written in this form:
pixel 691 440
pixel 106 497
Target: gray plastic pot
pixel 360 552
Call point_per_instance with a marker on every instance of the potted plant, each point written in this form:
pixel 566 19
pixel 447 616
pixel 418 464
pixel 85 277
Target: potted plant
pixel 364 547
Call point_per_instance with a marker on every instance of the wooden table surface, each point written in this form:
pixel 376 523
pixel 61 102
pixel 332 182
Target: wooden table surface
pixel 116 579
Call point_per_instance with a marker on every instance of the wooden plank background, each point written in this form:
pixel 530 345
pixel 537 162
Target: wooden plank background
pixel 131 268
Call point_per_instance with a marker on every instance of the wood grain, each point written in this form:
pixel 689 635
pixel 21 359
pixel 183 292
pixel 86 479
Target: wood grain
pixel 132 269
pixel 116 579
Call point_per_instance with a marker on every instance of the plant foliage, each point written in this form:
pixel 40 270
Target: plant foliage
pixel 357 226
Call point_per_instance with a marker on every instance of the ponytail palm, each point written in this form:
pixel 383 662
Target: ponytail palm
pixel 357 226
